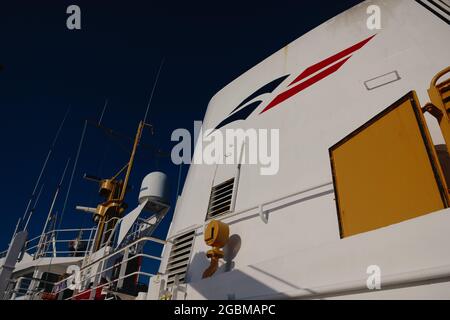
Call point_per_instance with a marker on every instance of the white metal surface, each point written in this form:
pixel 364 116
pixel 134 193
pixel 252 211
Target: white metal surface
pixel 127 222
pixel 299 252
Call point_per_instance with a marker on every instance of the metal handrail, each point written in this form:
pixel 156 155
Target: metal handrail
pixel 259 207
pixel 129 259
pixel 51 241
pixel 439 75
pixel 85 270
pixel 112 230
pixel 139 273
pixel 59 231
pixel 32 279
pixel 29 249
pixel 36 290
pixel 27 291
pixel 111 268
pixel 63 252
pixel 112 254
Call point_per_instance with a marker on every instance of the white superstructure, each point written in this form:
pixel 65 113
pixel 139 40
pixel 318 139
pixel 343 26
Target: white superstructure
pixel 299 253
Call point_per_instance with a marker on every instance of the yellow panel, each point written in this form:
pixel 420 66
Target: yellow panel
pixel 387 170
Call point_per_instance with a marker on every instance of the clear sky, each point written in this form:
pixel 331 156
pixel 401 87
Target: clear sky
pixel 115 56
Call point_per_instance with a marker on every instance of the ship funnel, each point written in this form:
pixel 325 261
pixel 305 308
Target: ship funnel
pixel 155 188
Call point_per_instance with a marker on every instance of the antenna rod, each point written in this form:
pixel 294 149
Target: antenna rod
pixel 153 90
pixel 103 112
pixel 83 133
pixel 50 211
pixel 44 166
pixel 34 207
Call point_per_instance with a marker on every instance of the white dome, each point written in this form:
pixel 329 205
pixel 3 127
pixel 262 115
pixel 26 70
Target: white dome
pixel 155 187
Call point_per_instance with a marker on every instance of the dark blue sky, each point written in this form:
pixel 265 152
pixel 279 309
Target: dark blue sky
pixel 116 55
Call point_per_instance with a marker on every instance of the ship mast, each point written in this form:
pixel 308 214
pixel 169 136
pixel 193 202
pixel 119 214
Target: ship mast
pixel 114 191
pixel 107 214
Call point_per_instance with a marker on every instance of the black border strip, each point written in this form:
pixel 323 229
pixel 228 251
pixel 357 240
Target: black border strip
pixel 443 6
pixel 426 6
pixel 411 96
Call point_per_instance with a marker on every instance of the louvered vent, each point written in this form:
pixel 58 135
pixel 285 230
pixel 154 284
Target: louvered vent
pixel 179 258
pixel 220 200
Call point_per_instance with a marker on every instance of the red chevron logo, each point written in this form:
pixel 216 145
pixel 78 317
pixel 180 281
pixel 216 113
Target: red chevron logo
pixel 336 61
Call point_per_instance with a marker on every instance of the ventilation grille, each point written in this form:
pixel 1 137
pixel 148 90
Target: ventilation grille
pixel 179 258
pixel 220 200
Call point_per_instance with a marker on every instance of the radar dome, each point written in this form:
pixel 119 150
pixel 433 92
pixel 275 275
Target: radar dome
pixel 155 188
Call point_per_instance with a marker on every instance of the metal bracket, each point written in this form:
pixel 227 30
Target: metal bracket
pixel 433 110
pixel 263 215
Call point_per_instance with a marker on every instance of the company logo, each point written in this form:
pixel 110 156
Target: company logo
pixel 307 78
